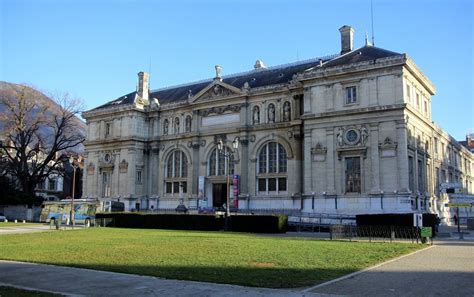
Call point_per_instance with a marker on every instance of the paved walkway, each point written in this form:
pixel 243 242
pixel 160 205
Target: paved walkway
pixel 24 229
pixel 85 282
pixel 445 269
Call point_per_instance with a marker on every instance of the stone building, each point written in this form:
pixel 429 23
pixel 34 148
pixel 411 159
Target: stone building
pixel 348 133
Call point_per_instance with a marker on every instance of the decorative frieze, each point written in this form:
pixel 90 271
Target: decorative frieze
pixel 220 109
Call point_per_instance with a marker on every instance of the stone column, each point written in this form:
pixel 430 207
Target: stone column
pixel 402 156
pixel 374 159
pixel 308 163
pixel 244 164
pixel 330 162
pixel 153 177
pixel 196 144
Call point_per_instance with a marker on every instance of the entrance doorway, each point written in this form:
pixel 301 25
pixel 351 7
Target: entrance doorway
pixel 219 194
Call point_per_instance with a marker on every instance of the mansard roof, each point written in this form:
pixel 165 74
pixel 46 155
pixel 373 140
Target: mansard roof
pixel 262 77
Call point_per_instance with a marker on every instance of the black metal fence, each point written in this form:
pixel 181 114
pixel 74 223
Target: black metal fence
pixel 375 233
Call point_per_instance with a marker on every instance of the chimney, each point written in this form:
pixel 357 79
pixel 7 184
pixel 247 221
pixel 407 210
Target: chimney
pixel 218 72
pixel 142 89
pixel 347 39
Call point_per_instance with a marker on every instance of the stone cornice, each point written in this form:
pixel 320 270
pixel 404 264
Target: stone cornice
pixel 416 72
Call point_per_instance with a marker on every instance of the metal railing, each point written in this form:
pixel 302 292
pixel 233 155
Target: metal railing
pixel 375 233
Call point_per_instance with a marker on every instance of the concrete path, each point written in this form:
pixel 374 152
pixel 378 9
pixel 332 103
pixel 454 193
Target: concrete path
pixel 24 229
pixel 445 269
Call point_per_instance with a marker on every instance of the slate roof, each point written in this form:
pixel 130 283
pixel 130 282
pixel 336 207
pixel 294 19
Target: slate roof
pixel 259 77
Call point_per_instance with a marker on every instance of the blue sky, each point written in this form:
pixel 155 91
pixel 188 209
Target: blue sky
pixel 94 49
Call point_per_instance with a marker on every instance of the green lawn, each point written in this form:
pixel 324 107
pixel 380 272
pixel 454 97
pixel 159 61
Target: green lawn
pixel 19 224
pixel 232 258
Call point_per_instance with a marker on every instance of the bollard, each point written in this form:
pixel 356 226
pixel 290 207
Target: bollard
pixel 24 222
pixel 56 222
pixel 5 221
pixel 16 221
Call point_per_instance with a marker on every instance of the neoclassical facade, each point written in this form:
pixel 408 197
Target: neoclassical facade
pixel 348 133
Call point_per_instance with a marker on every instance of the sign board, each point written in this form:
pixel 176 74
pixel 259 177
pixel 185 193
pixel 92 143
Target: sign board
pixel 426 232
pixel 417 220
pixel 460 205
pixel 201 187
pixel 450 186
pixel 235 185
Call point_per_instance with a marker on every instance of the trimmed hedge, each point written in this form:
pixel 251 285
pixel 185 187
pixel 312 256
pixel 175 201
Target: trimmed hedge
pixel 238 223
pixel 259 224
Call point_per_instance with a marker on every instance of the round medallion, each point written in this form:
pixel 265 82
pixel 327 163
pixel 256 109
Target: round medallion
pixel 352 136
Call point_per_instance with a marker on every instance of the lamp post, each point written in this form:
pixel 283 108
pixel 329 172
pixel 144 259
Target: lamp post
pixel 227 155
pixel 74 167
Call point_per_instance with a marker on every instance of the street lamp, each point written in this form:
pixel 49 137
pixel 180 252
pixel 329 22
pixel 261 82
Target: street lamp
pixel 227 155
pixel 74 166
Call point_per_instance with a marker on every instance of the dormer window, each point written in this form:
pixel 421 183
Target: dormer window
pixel 351 95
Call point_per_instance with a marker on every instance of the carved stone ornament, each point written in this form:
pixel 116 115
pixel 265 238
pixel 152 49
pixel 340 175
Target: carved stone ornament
pixel 107 159
pixel 123 166
pixel 220 110
pixel 318 153
pixel 388 148
pixel 217 91
pixel 352 136
pixel 90 168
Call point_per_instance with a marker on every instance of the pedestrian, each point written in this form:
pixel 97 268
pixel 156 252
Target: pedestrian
pixel 438 221
pixel 455 219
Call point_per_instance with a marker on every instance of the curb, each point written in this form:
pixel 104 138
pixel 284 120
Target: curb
pixel 307 290
pixel 38 290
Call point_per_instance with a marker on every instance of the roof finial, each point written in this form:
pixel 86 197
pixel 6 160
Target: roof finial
pixel 367 43
pixel 218 72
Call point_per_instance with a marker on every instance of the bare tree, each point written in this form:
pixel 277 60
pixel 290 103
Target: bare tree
pixel 36 133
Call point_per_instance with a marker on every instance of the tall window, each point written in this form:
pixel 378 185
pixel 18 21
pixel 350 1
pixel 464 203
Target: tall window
pixel 272 174
pixel 176 173
pixel 106 180
pixel 218 163
pixel 353 180
pixel 421 187
pixel 411 173
pixel 408 94
pixel 52 184
pixel 351 95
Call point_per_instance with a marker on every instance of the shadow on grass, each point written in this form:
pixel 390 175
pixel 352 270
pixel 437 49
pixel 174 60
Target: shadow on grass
pixel 267 277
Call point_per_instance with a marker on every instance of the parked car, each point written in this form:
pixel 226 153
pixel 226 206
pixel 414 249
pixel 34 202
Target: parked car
pixel 2 217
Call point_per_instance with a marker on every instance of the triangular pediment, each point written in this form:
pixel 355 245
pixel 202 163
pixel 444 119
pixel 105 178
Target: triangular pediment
pixel 217 89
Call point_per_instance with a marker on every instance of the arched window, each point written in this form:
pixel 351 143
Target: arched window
pixel 188 124
pixel 176 126
pixel 176 173
pixel 218 163
pixel 272 167
pixel 165 126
